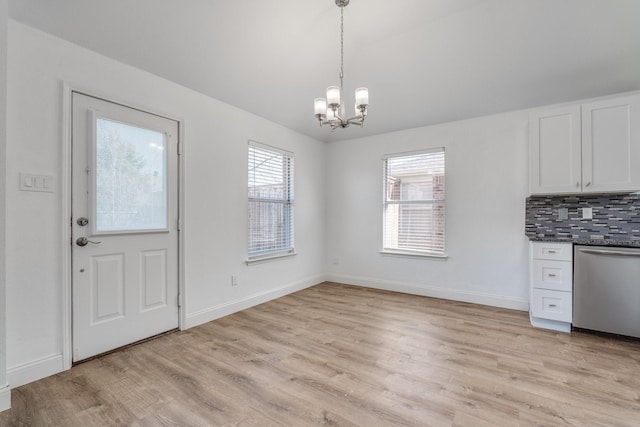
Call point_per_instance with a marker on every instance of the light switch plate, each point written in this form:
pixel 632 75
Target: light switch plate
pixel 42 183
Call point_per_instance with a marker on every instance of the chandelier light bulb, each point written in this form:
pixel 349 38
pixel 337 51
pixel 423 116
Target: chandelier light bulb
pixel 333 96
pixel 362 96
pixel 320 106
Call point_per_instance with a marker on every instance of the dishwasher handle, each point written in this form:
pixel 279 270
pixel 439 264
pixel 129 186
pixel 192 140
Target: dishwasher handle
pixel 609 252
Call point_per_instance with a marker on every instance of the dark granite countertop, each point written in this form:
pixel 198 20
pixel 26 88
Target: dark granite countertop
pixel 593 242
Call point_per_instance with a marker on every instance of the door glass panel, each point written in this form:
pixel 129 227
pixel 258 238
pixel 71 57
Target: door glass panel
pixel 130 179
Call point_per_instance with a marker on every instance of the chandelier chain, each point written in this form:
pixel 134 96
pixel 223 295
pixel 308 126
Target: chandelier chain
pixel 341 47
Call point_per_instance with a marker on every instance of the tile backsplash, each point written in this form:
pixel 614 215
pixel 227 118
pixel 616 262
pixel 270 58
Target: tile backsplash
pixel 616 218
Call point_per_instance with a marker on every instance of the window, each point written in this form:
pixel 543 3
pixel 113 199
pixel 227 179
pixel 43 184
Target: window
pixel 414 203
pixel 270 201
pixel 130 179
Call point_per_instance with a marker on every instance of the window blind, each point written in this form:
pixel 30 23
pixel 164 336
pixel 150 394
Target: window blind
pixel 414 202
pixel 270 201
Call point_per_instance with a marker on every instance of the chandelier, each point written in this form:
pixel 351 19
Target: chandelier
pixel 331 110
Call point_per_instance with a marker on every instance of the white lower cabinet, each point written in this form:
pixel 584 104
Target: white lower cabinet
pixel 552 305
pixel 551 295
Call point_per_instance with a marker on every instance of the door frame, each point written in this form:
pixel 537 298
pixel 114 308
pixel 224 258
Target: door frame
pixel 68 90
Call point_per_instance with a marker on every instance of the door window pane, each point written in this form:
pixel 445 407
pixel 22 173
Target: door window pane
pixel 130 179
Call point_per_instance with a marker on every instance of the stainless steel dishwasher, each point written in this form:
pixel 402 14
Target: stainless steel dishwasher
pixel 606 289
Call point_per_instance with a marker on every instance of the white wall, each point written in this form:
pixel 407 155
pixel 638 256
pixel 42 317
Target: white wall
pixel 5 399
pixel 338 202
pixel 486 185
pixel 215 141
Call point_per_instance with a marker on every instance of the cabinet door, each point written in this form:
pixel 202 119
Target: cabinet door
pixel 611 145
pixel 553 305
pixel 552 275
pixel 554 151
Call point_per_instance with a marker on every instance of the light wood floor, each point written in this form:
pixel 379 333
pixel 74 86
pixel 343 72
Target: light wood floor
pixel 346 356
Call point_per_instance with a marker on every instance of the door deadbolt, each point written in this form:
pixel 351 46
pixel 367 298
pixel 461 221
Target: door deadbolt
pixel 83 241
pixel 82 221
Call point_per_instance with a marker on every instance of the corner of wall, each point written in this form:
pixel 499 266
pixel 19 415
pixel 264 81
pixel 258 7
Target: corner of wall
pixel 5 392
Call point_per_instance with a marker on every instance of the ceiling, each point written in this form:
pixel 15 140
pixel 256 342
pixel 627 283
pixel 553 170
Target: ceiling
pixel 424 61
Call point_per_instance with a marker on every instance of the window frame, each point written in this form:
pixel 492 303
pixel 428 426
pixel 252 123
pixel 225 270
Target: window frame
pixel 412 252
pixel 287 201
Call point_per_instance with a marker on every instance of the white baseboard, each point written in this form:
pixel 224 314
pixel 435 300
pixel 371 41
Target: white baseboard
pixel 35 370
pixel 218 311
pixel 432 291
pixel 5 398
pixel 554 325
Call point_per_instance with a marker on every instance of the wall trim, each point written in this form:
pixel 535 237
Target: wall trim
pixel 433 291
pixel 5 398
pixel 221 310
pixel 35 370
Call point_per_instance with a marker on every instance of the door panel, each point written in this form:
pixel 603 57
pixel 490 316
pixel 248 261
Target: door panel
pixel 107 288
pixel 124 225
pixel 154 280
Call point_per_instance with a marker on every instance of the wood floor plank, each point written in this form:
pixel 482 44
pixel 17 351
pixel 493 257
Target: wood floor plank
pixel 336 355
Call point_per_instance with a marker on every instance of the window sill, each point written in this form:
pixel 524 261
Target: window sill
pixel 270 257
pixel 414 254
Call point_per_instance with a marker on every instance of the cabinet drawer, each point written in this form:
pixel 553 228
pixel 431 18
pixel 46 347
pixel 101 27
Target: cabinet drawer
pixel 553 305
pixel 553 251
pixel 553 275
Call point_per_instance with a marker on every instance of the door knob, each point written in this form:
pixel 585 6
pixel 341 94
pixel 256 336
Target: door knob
pixel 83 241
pixel 82 221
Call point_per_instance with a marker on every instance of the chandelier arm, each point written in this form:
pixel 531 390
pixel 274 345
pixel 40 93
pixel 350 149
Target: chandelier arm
pixel 356 121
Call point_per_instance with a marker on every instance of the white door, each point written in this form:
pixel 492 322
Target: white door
pixel 124 225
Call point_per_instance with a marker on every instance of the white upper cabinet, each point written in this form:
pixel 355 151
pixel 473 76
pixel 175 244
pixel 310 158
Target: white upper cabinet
pixel 554 151
pixel 611 145
pixel 588 148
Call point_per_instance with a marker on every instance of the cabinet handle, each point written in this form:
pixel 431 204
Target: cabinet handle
pixel 578 184
pixel 551 275
pixel 588 183
pixel 552 305
pixel 619 252
pixel 551 252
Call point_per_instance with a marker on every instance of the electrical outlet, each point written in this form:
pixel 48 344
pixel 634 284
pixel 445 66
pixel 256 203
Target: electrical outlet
pixel 587 213
pixel 234 280
pixel 563 213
